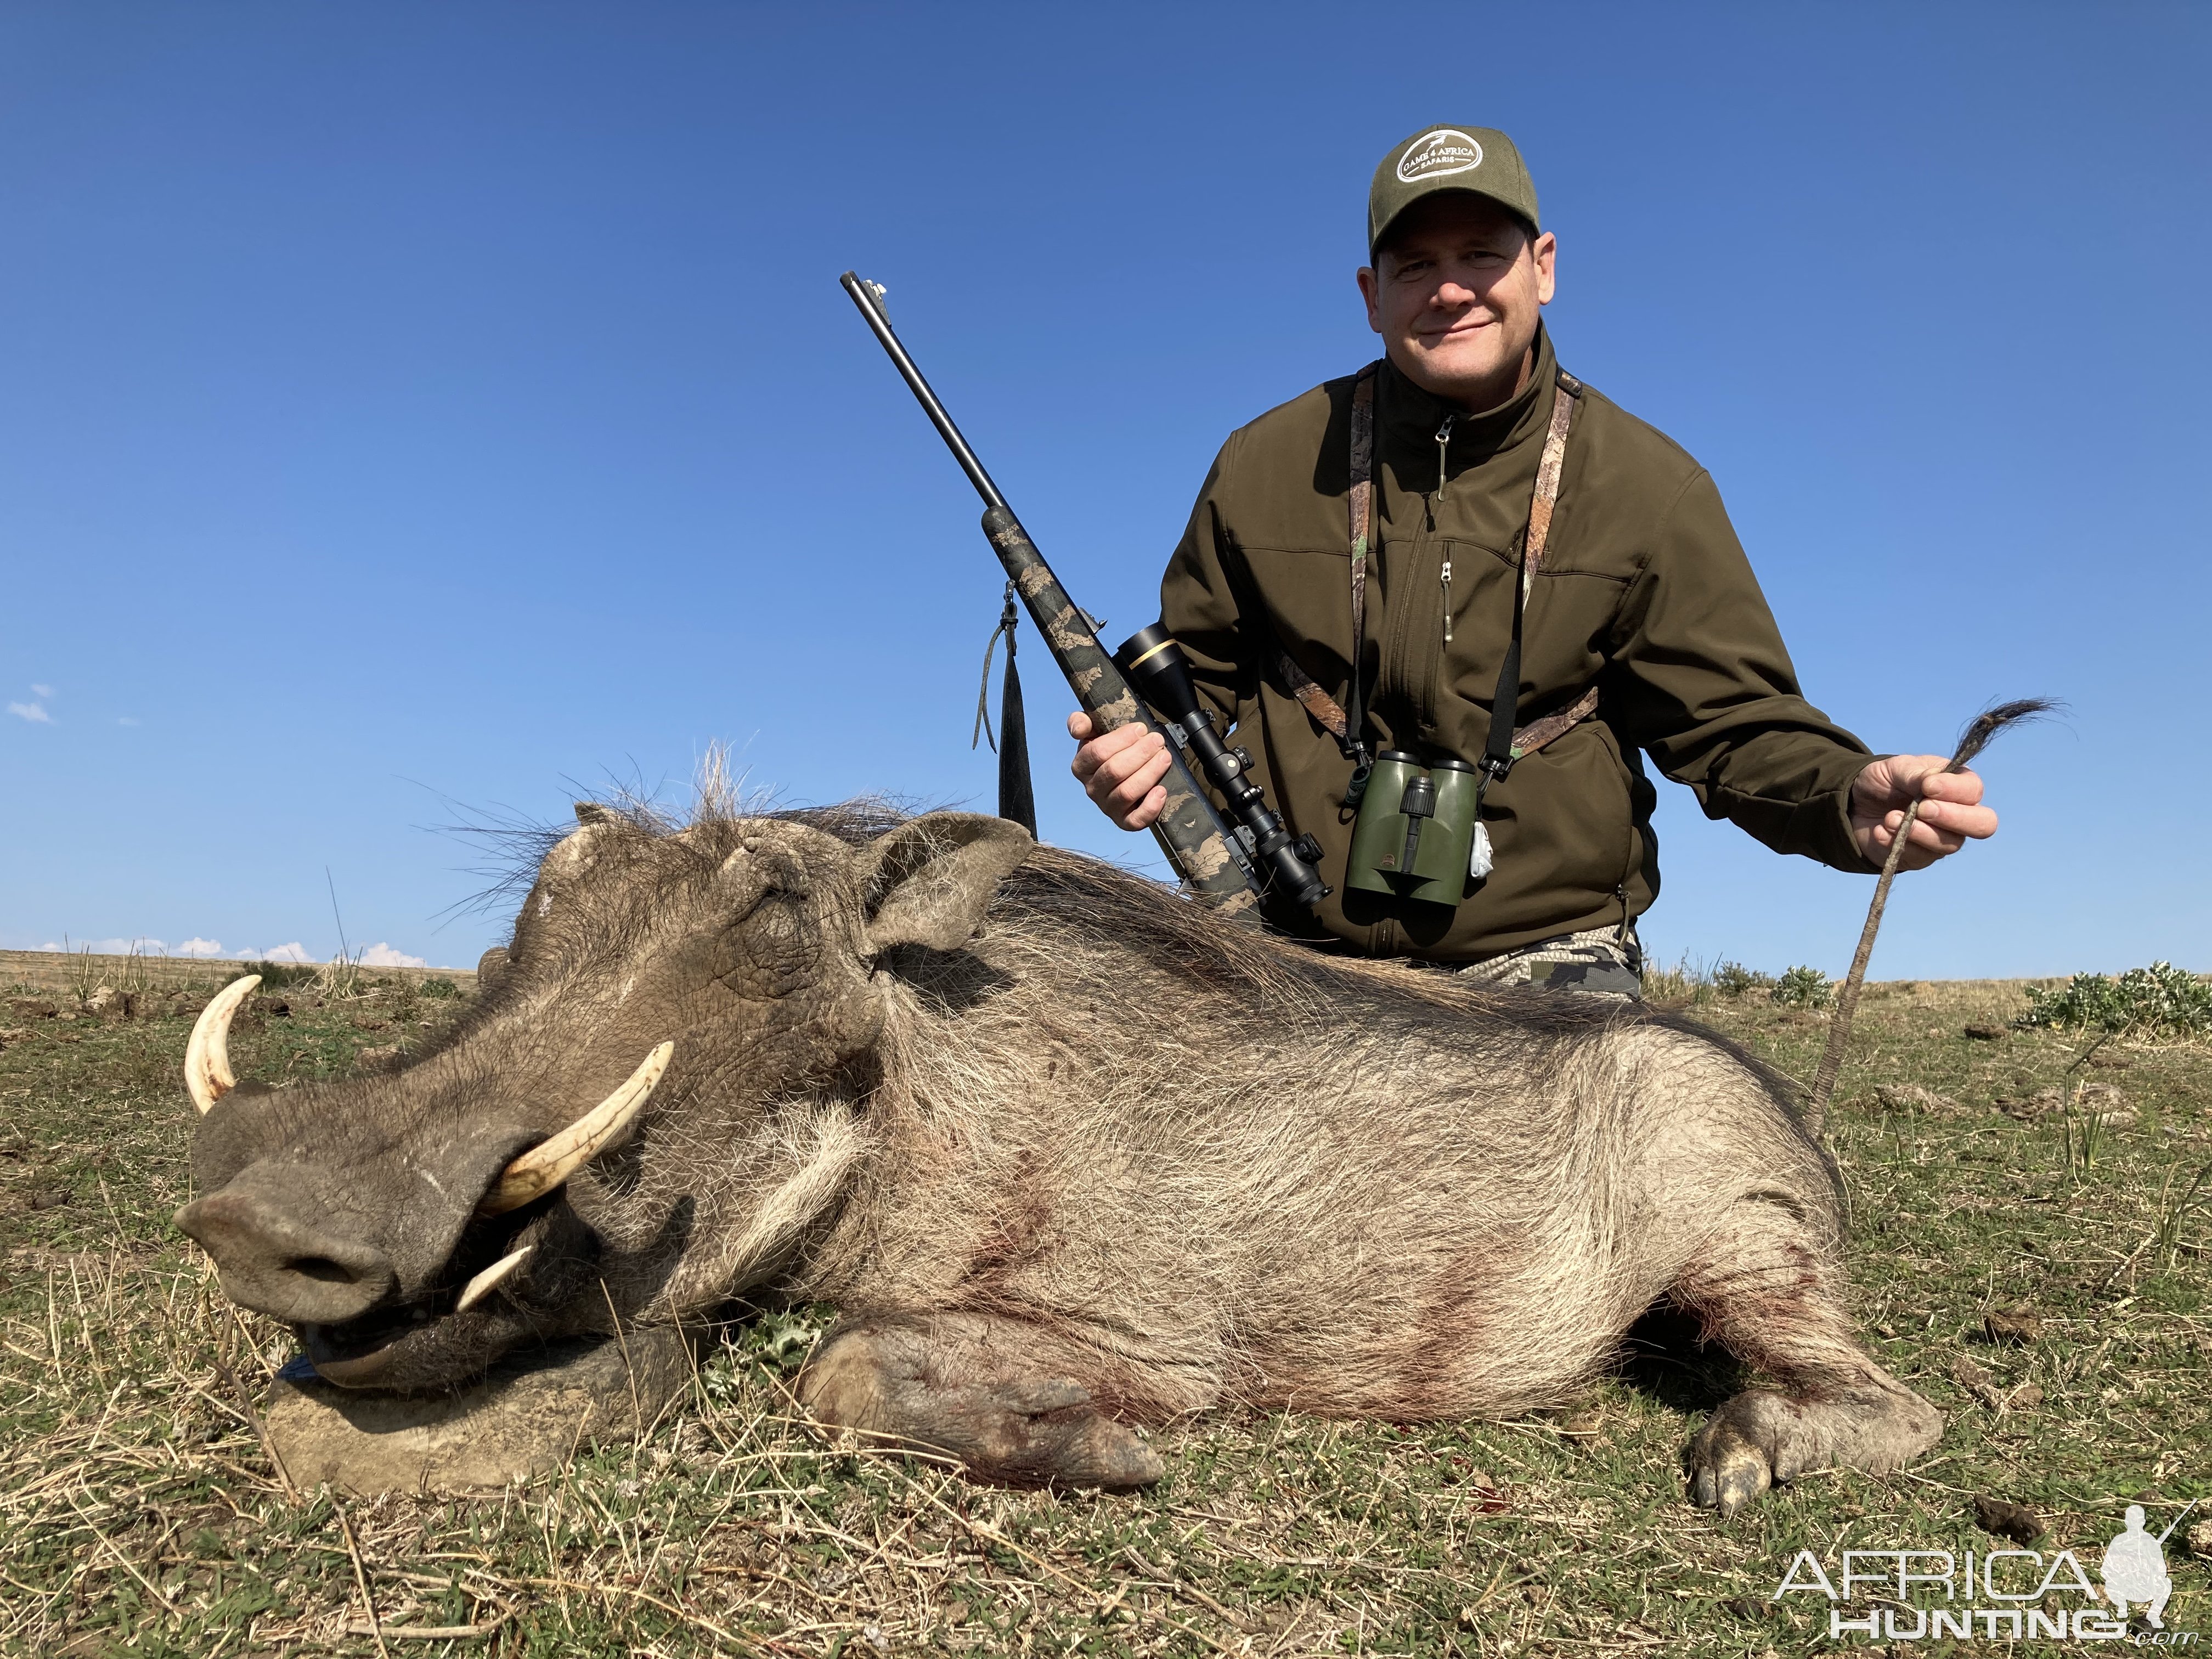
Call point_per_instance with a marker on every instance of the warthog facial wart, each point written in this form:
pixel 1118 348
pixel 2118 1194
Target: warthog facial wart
pixel 911 1067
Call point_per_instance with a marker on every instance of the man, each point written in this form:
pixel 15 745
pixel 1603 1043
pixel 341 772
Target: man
pixel 1636 591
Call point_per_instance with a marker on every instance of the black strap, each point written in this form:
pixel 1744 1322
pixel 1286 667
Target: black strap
pixel 1016 799
pixel 1505 701
pixel 1359 508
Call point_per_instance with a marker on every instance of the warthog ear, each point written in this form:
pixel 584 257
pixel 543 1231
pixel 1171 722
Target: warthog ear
pixel 929 881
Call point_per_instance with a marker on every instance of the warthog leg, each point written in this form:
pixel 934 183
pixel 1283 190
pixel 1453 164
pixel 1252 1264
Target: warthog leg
pixel 1768 1288
pixel 994 1393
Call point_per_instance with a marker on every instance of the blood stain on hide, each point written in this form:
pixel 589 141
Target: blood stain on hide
pixel 1014 1237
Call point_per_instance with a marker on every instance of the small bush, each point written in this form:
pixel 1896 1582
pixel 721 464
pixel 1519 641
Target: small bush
pixel 1803 988
pixel 437 987
pixel 1733 979
pixel 2161 999
pixel 278 975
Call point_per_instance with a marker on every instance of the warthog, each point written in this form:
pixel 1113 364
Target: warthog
pixel 1069 1153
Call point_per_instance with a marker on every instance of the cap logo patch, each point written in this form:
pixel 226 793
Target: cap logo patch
pixel 1435 154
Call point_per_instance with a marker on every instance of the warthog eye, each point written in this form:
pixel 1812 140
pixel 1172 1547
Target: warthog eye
pixel 771 950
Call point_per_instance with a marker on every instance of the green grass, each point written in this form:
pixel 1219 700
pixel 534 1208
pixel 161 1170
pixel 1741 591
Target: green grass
pixel 138 1512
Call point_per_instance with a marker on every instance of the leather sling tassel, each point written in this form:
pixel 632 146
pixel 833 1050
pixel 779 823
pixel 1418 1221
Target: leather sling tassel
pixel 1017 798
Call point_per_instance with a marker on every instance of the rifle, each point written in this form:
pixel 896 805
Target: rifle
pixel 1214 860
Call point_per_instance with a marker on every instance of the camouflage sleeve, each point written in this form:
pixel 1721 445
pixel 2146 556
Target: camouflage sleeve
pixel 1706 687
pixel 1198 599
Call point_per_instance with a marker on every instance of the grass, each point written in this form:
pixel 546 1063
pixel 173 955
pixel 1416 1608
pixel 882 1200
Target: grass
pixel 139 1512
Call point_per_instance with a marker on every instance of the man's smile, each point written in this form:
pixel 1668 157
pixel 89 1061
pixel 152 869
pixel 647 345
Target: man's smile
pixel 1464 326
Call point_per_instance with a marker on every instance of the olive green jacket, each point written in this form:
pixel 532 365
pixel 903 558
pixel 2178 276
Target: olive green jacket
pixel 1643 593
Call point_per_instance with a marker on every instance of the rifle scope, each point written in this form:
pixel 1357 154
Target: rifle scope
pixel 1160 674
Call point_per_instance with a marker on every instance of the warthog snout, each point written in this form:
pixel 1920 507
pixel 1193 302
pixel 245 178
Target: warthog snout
pixel 280 1264
pixel 409 1235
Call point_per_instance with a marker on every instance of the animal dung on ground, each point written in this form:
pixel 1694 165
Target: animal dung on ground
pixel 1978 1381
pixel 2013 1327
pixel 2100 1100
pixel 1912 1097
pixel 2028 1108
pixel 2004 1519
pixel 1974 1379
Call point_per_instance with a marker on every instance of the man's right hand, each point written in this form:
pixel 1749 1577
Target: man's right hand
pixel 1122 770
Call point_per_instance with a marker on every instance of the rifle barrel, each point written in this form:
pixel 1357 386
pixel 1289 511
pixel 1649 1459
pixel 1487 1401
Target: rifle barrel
pixel 868 298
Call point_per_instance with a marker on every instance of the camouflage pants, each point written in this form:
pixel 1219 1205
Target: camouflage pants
pixel 1598 961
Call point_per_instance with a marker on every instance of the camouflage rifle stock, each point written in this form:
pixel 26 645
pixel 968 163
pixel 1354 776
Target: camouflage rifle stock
pixel 1204 853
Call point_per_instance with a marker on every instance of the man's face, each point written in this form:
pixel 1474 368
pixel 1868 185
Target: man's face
pixel 1454 292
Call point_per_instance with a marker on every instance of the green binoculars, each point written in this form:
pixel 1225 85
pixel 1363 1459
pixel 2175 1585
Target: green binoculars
pixel 1414 838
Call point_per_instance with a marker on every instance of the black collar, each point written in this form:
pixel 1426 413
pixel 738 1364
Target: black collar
pixel 1407 417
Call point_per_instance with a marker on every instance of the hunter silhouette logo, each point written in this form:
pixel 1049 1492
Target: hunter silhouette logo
pixel 2135 1568
pixel 1435 154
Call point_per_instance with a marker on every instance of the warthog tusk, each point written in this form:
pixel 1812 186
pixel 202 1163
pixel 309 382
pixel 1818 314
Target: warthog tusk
pixel 481 1287
pixel 546 1166
pixel 207 1056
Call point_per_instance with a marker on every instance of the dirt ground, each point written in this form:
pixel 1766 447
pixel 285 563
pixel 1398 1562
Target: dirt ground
pixel 2026 1252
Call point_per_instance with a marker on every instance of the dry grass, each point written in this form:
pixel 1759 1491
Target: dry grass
pixel 78 973
pixel 138 1510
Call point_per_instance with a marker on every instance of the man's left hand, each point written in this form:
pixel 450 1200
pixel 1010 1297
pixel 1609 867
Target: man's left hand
pixel 1951 810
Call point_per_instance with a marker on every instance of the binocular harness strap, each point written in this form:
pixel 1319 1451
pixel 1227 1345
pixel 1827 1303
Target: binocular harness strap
pixel 1348 726
pixel 1505 745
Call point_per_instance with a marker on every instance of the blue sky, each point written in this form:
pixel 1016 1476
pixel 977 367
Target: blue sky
pixel 410 405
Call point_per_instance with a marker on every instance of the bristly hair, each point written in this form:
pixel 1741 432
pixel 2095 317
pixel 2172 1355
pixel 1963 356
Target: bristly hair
pixel 516 844
pixel 1994 720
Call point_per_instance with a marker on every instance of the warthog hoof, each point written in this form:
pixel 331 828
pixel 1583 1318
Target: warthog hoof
pixel 1760 1437
pixel 905 1384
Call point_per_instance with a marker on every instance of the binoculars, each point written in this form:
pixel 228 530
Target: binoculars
pixel 1160 674
pixel 1414 837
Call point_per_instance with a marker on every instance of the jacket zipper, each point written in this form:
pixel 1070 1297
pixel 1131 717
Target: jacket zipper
pixel 1443 456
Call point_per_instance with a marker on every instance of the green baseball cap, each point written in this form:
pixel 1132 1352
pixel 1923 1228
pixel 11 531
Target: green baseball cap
pixel 1481 159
